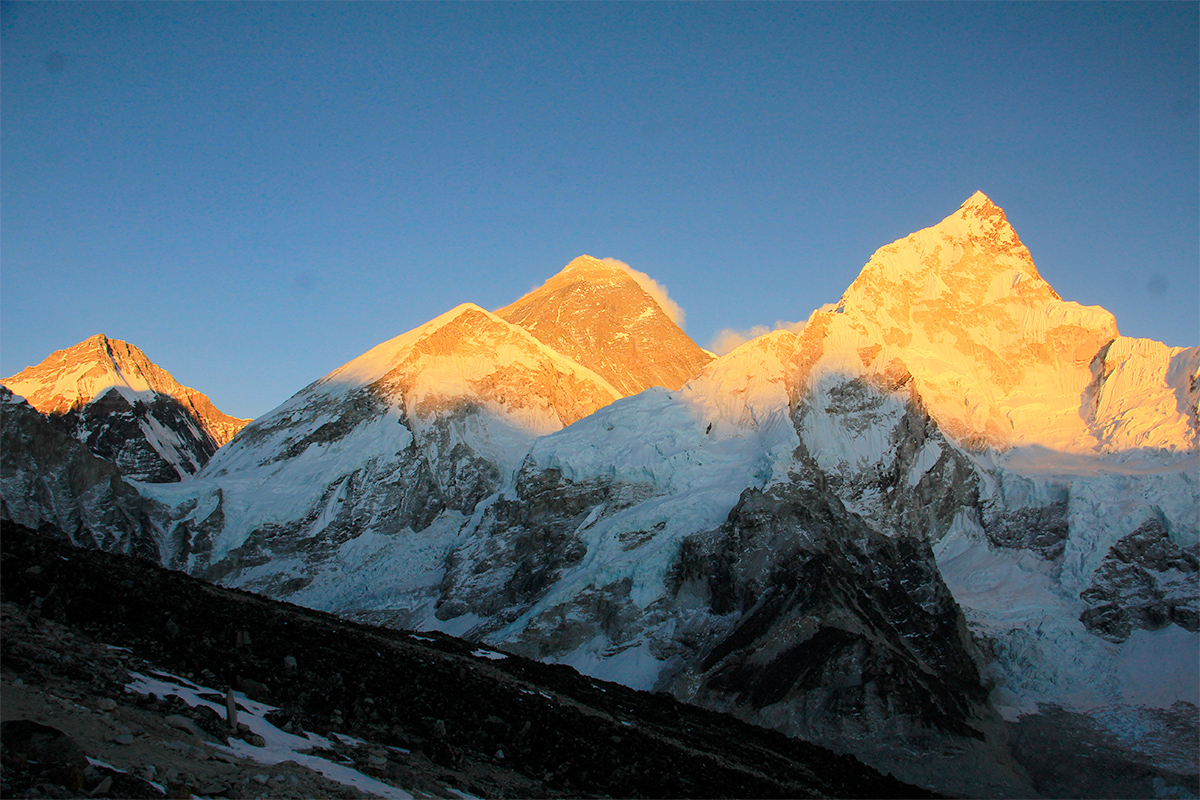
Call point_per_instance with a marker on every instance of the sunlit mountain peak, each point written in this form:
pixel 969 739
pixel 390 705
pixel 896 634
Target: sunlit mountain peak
pixel 76 376
pixel 611 319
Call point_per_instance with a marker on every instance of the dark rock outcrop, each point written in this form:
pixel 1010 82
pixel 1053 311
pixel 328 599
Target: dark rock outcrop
pixel 434 696
pixel 1145 581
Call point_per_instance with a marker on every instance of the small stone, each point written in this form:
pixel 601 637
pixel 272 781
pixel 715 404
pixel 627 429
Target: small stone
pixel 103 788
pixel 18 683
pixel 184 724
pixel 106 704
pixel 289 663
pixel 261 779
pixel 124 738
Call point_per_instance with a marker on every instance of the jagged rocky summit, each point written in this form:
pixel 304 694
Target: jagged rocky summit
pixel 124 408
pixel 953 515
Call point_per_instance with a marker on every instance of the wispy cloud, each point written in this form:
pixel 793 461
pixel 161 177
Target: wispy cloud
pixel 653 288
pixel 729 339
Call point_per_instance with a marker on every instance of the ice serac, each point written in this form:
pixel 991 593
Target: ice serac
pixel 598 314
pixel 404 440
pixel 125 408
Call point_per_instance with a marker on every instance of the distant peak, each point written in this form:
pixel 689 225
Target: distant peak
pixel 980 218
pixel 586 265
pixel 978 200
pixel 459 310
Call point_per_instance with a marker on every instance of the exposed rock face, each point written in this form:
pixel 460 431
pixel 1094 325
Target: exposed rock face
pixel 1145 581
pixel 126 409
pixel 1040 529
pixel 50 482
pixel 596 313
pixel 840 631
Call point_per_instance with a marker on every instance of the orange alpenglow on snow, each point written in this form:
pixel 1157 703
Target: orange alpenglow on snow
pixel 600 314
pixel 997 357
pixel 69 379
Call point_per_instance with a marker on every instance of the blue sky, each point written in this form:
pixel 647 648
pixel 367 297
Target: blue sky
pixel 256 193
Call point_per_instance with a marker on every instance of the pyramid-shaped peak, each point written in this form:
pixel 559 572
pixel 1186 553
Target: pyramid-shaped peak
pixel 613 320
pixel 76 376
pixel 586 263
pixel 599 271
pixel 978 200
pixel 979 217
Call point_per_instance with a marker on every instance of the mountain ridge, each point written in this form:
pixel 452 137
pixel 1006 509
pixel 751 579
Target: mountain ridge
pixel 951 441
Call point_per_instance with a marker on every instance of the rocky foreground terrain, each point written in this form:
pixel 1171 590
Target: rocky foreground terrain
pixel 118 676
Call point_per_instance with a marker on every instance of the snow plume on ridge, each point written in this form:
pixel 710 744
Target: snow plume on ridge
pixel 653 288
pixel 727 340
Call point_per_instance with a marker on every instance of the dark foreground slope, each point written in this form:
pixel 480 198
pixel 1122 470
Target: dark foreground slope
pixel 431 713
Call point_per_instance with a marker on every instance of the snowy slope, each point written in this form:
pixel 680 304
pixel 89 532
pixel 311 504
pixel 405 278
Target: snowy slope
pixel 405 439
pixel 950 502
pixel 1000 360
pixel 950 397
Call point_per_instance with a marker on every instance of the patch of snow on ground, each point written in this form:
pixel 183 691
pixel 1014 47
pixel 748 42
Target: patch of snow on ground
pixel 480 652
pixel 280 746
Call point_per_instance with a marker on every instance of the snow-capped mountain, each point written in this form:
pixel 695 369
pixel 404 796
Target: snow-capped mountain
pixel 954 515
pixel 999 358
pixel 412 434
pixel 125 408
pixel 598 313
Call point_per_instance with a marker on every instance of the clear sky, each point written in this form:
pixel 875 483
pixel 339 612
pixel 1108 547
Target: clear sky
pixel 256 193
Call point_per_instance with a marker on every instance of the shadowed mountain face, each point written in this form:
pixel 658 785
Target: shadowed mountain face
pixel 427 713
pixel 950 502
pixel 50 481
